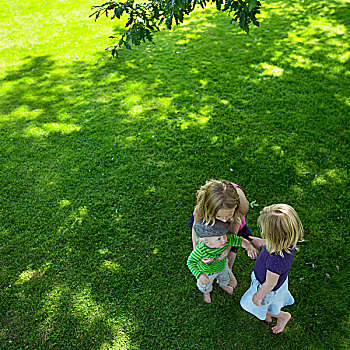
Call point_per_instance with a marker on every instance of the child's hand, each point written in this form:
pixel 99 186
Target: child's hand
pixel 204 279
pixel 252 252
pixel 256 300
pixel 224 254
pixel 207 260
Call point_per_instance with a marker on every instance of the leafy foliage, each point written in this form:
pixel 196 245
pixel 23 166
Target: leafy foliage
pixel 146 18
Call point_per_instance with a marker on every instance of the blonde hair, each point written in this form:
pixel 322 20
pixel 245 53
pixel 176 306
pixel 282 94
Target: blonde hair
pixel 214 196
pixel 281 227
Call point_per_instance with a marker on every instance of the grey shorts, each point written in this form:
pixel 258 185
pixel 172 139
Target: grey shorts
pixel 222 278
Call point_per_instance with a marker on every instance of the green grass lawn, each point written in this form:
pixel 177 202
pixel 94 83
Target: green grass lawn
pixel 101 159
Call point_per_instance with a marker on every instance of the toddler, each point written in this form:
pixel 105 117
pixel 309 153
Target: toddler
pixel 212 241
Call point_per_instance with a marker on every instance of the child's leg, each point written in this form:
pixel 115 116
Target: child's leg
pixel 231 259
pixel 228 289
pixel 224 278
pixel 245 233
pixel 268 318
pixel 282 320
pixel 207 298
pixel 207 288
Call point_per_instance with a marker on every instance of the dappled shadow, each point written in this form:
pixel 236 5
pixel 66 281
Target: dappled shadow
pixel 115 152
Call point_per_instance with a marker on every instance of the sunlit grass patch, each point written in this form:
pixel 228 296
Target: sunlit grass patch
pixel 271 70
pixel 27 275
pixel 330 176
pixel 46 129
pixel 111 266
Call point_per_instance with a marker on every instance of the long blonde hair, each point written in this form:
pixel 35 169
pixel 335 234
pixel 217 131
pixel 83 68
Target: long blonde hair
pixel 281 227
pixel 214 196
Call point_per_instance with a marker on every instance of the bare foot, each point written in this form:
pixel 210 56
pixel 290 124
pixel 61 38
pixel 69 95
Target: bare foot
pixel 282 320
pixel 207 298
pixel 228 289
pixel 233 281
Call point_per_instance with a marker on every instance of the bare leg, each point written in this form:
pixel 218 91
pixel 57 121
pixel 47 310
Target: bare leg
pixel 231 260
pixel 207 298
pixel 282 320
pixel 233 281
pixel 268 318
pixel 228 289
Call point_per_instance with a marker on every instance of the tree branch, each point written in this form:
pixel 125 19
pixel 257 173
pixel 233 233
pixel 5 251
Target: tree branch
pixel 144 19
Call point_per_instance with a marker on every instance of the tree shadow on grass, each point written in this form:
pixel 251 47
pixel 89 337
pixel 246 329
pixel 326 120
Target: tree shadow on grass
pixel 100 166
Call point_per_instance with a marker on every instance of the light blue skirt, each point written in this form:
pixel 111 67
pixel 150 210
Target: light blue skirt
pixel 273 302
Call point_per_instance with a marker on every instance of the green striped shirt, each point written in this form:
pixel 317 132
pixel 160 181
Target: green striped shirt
pixel 202 252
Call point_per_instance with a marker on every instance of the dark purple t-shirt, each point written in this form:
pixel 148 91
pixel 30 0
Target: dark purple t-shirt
pixel 274 263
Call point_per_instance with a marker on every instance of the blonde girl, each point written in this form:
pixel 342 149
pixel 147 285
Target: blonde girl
pixel 225 201
pixel 268 293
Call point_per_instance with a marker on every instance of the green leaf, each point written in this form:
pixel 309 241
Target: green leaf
pixel 252 4
pixel 126 44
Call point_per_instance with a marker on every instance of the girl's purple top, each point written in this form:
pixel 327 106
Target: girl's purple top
pixel 274 263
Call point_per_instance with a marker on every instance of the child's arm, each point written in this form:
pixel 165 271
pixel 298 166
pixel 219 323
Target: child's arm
pixel 204 279
pixel 192 264
pixel 257 242
pixel 266 287
pixel 225 253
pixel 194 235
pixel 243 209
pixel 232 241
pixel 243 203
pixel 251 251
pixel 194 239
pixel 234 227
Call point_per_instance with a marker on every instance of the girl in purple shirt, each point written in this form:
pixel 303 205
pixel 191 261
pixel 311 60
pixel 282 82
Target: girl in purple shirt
pixel 268 293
